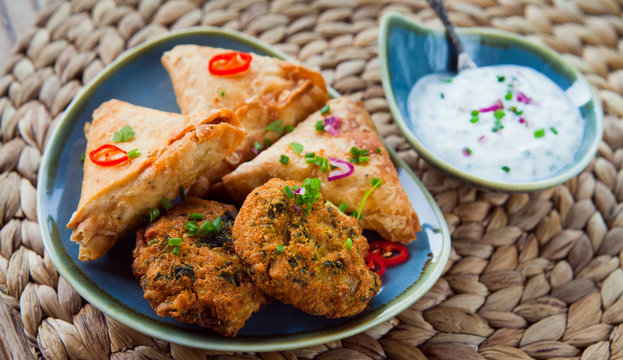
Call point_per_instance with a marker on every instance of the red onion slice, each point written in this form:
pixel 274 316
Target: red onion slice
pixel 494 107
pixel 523 98
pixel 332 125
pixel 300 191
pixel 344 169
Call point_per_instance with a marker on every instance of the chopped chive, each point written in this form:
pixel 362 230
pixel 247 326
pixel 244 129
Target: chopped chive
pixel 284 159
pixel 354 160
pixel 296 147
pixel 222 92
pixel 133 153
pixel 442 95
pixel 289 192
pixel 475 112
pixel 153 214
pixel 279 248
pixel 257 146
pixel 325 109
pixel 182 194
pixel 447 80
pixel 289 128
pixel 553 129
pixel 310 158
pixel 474 119
pixel 375 182
pixel 191 227
pixel 349 243
pixel 207 227
pixel 501 78
pixel 319 125
pixel 218 224
pixel 176 250
pixel 499 113
pixel 267 143
pixel 508 96
pixel 196 217
pixel 175 241
pixel 378 150
pixel 506 168
pixel 324 167
pixel 343 206
pixel 539 133
pixel 276 126
pixel 82 158
pixel 363 159
pixel 166 204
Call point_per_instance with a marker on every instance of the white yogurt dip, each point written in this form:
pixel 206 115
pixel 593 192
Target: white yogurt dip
pixel 499 122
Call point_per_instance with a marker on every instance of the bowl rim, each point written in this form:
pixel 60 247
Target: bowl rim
pixel 392 19
pixel 430 273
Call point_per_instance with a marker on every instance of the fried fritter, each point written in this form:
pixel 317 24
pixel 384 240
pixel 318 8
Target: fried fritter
pixel 201 280
pixel 302 256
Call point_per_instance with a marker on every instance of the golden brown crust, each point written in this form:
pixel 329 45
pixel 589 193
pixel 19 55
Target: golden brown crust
pixel 114 198
pixel 387 210
pixel 271 89
pixel 206 283
pixel 303 259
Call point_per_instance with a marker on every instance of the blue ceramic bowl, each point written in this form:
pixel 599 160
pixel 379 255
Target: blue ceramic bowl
pixel 408 51
pixel 138 77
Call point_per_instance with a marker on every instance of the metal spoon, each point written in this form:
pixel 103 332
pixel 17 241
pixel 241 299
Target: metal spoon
pixel 464 61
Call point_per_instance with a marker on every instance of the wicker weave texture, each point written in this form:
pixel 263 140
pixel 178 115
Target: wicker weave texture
pixel 530 275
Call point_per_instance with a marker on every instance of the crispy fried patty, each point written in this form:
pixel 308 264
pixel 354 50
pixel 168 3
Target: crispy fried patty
pixel 304 259
pixel 206 283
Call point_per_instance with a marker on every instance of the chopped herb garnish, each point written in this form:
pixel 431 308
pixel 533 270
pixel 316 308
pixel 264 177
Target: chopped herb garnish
pixel 175 242
pixel 378 150
pixel 182 194
pixel 218 224
pixel 166 204
pixel 289 128
pixel 501 78
pixel 222 92
pixel 325 109
pixel 553 129
pixel 499 114
pixel 359 155
pixel 539 133
pixel 279 248
pixel 125 134
pixel 196 217
pixel 447 80
pixel 267 143
pixel 133 153
pixel 475 112
pixel 276 126
pixel 82 158
pixel 319 125
pixel 508 96
pixel 192 228
pixel 466 151
pixel 514 110
pixel 506 168
pixel 214 227
pixel 442 95
pixel 311 194
pixel 343 206
pixel 363 159
pixel 151 215
pixel 375 183
pixel 310 157
pixel 474 119
pixel 257 146
pixel 284 159
pixel 288 191
pixel 349 244
pixel 296 147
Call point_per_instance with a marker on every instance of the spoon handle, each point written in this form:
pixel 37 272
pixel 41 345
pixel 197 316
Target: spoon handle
pixel 464 61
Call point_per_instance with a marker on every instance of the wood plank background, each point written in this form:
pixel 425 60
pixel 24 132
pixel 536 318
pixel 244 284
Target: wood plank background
pixel 16 17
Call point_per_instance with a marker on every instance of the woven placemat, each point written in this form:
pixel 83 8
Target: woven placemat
pixel 530 275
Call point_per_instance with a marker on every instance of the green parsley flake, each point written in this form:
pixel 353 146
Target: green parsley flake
pixel 499 114
pixel 378 150
pixel 539 133
pixel 82 158
pixel 553 129
pixel 447 80
pixel 284 159
pixel 267 143
pixel 151 215
pixel 279 248
pixel 475 112
pixel 506 168
pixel 508 96
pixel 311 195
pixel 257 146
pixel 289 192
pixel 501 78
pixel 222 92
pixel 343 206
pixel 474 119
pixel 325 109
pixel 133 153
pixel 166 204
pixel 442 95
pixel 349 244
pixel 296 147
pixel 196 217
pixel 276 126
pixel 319 125
pixel 289 128
pixel 125 134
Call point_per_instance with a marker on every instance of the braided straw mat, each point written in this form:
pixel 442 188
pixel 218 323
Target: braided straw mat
pixel 530 275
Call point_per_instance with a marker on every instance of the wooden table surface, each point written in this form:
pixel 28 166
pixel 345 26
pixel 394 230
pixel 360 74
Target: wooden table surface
pixel 16 17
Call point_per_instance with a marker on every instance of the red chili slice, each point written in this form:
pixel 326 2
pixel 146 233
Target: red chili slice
pixel 104 155
pixel 375 263
pixel 229 63
pixel 390 252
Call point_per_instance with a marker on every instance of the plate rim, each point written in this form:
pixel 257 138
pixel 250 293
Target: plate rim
pixel 392 19
pixel 430 273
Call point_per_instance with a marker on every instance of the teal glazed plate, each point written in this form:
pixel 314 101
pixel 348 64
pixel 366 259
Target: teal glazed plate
pixel 138 77
pixel 408 51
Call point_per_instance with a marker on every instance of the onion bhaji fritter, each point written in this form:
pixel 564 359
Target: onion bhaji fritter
pixel 201 280
pixel 302 256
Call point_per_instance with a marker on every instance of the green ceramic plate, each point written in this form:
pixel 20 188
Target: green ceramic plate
pixel 409 50
pixel 138 77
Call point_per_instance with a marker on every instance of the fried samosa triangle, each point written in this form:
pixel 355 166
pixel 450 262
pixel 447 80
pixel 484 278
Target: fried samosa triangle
pixel 344 136
pixel 269 92
pixel 137 156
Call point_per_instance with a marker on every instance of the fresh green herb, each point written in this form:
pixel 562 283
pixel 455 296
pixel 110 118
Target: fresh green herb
pixel 343 206
pixel 175 242
pixel 151 215
pixel 296 147
pixel 218 224
pixel 467 151
pixel 289 128
pixel 375 184
pixel 125 134
pixel 310 157
pixel 192 228
pixel 539 133
pixel 475 112
pixel 82 158
pixel 257 146
pixel 319 125
pixel 363 159
pixel 354 214
pixel 359 155
pixel 553 129
pixel 311 195
pixel 222 92
pixel 166 204
pixel 276 126
pixel 447 80
pixel 499 114
pixel 474 119
pixel 378 150
pixel 288 191
pixel 267 143
pixel 325 109
pixel 514 110
pixel 182 194
pixel 506 168
pixel 196 217
pixel 508 96
pixel 214 227
pixel 349 244
pixel 501 78
pixel 279 248
pixel 133 153
pixel 442 95
pixel 284 159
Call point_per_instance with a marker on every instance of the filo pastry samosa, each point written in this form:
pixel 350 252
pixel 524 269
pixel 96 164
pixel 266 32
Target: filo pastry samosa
pixel 268 91
pixel 137 156
pixel 345 131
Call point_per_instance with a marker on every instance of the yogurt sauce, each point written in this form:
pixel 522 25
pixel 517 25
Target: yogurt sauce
pixel 498 122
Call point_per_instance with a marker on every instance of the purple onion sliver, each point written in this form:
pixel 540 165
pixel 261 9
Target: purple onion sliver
pixel 344 169
pixel 494 107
